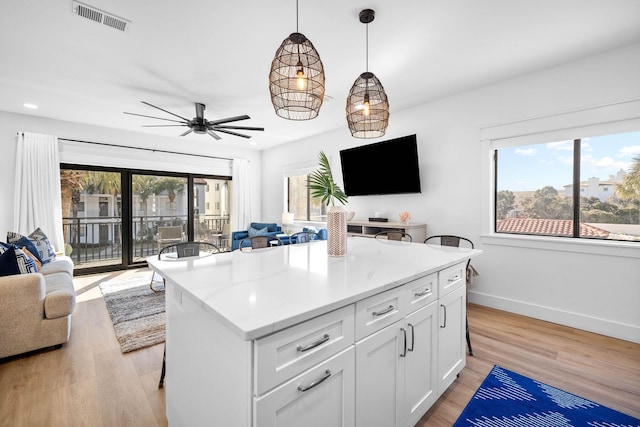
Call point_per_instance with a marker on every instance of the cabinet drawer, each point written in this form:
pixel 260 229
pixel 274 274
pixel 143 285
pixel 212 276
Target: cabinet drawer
pixel 321 396
pixel 379 311
pixel 287 353
pixel 451 278
pixel 422 291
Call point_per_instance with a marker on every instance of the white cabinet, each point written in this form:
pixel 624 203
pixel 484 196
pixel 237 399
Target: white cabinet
pixel 421 362
pixel 379 378
pixel 418 232
pixel 452 326
pixel 320 397
pixel 396 357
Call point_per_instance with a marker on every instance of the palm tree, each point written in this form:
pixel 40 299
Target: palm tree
pixel 144 186
pixel 629 188
pixel 171 186
pixel 70 180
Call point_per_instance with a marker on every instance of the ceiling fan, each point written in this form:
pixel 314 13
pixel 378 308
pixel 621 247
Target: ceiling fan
pixel 200 125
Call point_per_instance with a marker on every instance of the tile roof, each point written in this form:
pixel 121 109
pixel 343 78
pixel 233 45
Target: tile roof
pixel 548 227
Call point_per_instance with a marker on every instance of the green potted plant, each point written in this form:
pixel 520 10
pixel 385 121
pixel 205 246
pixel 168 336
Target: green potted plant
pixel 322 185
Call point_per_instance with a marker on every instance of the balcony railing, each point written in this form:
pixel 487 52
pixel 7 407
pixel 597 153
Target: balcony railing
pixel 97 241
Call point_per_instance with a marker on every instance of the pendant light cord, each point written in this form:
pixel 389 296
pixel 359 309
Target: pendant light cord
pixel 297 16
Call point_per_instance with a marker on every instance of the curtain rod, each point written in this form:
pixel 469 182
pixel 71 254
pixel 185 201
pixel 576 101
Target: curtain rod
pixel 144 149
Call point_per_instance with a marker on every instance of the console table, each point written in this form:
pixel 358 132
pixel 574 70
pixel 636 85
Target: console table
pixel 288 336
pixel 417 231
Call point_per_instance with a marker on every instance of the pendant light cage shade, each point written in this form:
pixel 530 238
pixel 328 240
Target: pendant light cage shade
pixel 296 80
pixel 367 107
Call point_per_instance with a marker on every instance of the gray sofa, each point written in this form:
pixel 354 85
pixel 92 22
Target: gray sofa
pixel 35 308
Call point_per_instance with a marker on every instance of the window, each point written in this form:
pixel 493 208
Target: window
pixel 582 188
pixel 299 200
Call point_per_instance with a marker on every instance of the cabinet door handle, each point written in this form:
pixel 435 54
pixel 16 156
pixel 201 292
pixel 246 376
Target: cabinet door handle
pixel 453 279
pixel 423 293
pixel 308 347
pixel 404 351
pixel 413 337
pixel 444 324
pixel 304 388
pixel 385 311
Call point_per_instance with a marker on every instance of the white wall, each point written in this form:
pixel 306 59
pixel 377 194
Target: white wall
pixel 597 291
pixel 11 124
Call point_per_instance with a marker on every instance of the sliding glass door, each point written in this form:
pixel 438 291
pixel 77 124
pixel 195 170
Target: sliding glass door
pixel 115 218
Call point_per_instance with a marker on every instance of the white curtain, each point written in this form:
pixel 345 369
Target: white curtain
pixel 241 212
pixel 37 200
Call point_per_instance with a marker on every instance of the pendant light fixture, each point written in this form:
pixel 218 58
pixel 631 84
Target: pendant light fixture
pixel 367 103
pixel 296 79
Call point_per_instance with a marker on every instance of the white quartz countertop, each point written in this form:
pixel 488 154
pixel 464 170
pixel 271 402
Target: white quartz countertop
pixel 258 292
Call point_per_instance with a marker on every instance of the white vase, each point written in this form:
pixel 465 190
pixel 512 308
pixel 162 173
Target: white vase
pixel 337 231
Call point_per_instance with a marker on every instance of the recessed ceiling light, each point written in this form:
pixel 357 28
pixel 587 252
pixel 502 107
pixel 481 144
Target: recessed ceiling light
pixel 30 106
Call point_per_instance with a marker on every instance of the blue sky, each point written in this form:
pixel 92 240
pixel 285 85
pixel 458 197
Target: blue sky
pixel 532 167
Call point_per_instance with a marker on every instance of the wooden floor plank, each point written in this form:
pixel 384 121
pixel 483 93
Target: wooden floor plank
pixel 89 382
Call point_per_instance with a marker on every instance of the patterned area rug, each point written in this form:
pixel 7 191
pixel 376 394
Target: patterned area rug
pixel 137 313
pixel 507 399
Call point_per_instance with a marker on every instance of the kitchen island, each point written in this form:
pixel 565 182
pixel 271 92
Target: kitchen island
pixel 287 336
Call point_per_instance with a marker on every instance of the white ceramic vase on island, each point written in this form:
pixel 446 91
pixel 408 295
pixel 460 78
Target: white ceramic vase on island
pixel 337 231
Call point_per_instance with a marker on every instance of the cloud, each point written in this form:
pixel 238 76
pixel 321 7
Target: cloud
pixel 585 147
pixel 526 151
pixel 604 164
pixel 560 146
pixel 629 150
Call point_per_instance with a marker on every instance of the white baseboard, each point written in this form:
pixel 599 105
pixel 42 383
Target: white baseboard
pixel 574 320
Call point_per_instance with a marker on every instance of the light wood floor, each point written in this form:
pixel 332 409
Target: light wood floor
pixel 89 382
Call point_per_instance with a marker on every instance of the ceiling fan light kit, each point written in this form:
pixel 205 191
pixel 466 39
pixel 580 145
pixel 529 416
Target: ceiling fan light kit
pixel 296 78
pixel 367 103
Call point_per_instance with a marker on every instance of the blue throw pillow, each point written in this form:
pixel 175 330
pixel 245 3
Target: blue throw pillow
pixel 25 263
pixel 40 246
pixel 270 226
pixel 27 243
pixel 257 232
pixel 8 262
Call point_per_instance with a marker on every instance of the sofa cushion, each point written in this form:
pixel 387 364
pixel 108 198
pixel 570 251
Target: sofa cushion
pixel 62 264
pixel 31 247
pixel 257 232
pixel 271 226
pixel 60 296
pixel 8 262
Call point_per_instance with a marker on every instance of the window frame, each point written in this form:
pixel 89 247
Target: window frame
pixel 617 117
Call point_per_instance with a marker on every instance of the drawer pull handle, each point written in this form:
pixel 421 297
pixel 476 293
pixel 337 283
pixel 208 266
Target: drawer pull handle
pixel 385 311
pixel 444 323
pixel 326 375
pixel 404 351
pixel 454 278
pixel 308 347
pixel 423 293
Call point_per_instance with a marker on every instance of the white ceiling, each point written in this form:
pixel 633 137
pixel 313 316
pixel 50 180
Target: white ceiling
pixel 176 53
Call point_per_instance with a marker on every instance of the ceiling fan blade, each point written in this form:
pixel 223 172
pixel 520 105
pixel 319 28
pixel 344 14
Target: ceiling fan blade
pixel 163 126
pixel 151 117
pixel 232 133
pixel 200 111
pixel 238 127
pixel 216 137
pixel 228 120
pixel 187 132
pixel 168 112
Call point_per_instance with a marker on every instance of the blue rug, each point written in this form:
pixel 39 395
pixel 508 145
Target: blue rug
pixel 507 399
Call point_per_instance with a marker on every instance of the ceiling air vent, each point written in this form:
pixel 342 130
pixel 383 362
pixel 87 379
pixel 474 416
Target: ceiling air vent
pixel 100 16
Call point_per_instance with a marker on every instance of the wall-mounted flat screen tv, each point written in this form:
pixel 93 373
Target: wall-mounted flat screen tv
pixel 388 167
